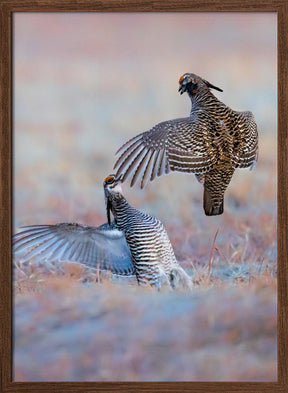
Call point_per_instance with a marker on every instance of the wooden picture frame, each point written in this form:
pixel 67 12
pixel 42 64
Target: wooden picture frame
pixel 7 9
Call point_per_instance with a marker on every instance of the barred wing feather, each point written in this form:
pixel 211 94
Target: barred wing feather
pixel 96 247
pixel 174 145
pixel 248 150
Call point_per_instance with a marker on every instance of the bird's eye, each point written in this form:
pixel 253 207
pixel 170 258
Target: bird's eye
pixel 109 179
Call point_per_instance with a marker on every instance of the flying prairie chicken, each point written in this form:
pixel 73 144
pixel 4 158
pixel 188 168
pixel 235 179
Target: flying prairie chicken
pixel 211 143
pixel 134 244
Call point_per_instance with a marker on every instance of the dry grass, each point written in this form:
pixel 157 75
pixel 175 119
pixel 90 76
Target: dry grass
pixel 72 323
pixel 65 330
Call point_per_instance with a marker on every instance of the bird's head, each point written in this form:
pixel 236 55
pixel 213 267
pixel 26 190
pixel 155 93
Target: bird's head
pixel 192 84
pixel 112 190
pixel 112 183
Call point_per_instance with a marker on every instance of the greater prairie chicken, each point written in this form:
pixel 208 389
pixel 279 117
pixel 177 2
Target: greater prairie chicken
pixel 134 244
pixel 211 143
pixel 152 253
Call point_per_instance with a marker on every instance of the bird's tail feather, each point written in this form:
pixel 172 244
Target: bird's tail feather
pixel 211 207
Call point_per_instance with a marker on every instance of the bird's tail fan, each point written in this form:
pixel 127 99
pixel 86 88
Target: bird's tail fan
pixel 212 207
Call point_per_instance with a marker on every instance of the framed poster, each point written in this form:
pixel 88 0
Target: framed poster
pixel 83 84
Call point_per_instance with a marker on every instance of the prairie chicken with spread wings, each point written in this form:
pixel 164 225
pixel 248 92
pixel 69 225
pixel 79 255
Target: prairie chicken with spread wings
pixel 135 244
pixel 211 143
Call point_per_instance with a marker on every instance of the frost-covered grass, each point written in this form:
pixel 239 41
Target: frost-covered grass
pixel 73 323
pixel 67 330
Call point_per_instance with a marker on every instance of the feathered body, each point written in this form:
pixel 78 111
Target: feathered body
pixel 152 253
pixel 211 143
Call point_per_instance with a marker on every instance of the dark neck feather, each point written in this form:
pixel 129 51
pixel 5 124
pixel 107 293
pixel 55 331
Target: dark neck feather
pixel 118 204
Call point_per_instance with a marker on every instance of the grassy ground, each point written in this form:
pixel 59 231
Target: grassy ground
pixel 77 98
pixel 67 331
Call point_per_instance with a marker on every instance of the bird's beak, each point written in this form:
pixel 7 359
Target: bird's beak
pixel 183 82
pixel 182 89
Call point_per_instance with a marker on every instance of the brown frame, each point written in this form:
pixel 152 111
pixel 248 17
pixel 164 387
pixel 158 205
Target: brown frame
pixel 7 8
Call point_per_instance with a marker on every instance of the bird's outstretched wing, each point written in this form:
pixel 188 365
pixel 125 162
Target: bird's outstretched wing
pixel 103 247
pixel 182 145
pixel 246 154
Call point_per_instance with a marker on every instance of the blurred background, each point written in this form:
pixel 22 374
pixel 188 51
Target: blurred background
pixel 83 84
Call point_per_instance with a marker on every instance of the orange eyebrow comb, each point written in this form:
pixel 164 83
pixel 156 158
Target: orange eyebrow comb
pixel 108 178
